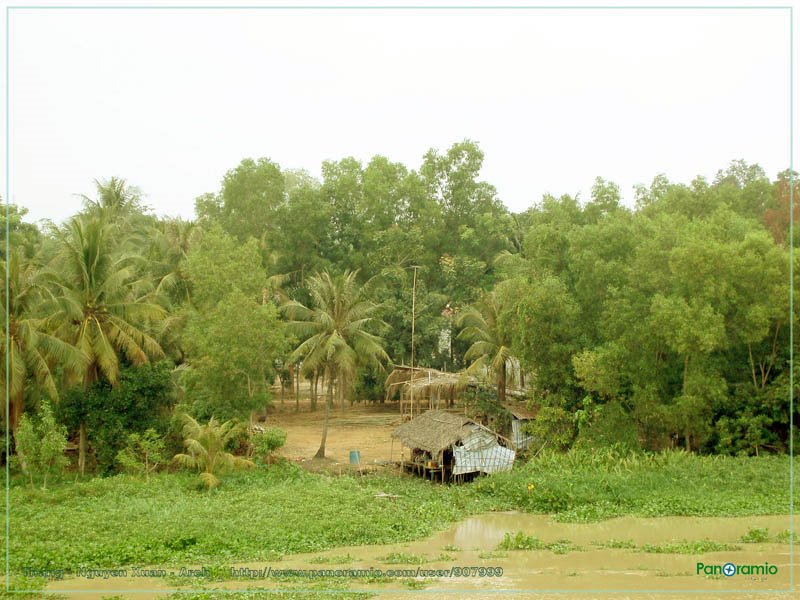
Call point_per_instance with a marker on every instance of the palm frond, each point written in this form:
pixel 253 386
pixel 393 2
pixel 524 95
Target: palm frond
pixel 209 479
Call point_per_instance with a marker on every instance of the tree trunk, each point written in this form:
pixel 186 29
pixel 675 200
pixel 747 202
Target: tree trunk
pixel 765 373
pixel 752 364
pixel 92 375
pixel 265 386
pixel 328 401
pixel 501 384
pixel 15 411
pixel 685 379
pixel 82 448
pixel 313 390
pixel 521 378
pixel 340 393
pixel 685 372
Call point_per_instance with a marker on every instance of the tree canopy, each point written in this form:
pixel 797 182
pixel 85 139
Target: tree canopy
pixel 666 312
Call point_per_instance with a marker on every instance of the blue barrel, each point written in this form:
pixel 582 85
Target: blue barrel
pixel 355 457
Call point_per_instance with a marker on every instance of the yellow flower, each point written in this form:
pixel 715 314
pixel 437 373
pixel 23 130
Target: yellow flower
pixel 530 487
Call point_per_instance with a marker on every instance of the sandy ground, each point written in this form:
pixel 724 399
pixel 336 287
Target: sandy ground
pixel 365 427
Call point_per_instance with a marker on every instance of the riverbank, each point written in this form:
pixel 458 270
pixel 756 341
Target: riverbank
pixel 273 513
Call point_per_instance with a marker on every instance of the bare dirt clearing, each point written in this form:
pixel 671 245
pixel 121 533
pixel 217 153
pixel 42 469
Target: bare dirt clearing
pixel 366 427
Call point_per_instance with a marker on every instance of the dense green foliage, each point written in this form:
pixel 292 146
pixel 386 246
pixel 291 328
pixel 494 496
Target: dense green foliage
pixel 141 400
pixel 675 312
pixel 659 325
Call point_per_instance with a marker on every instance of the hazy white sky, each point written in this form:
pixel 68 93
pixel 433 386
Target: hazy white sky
pixel 171 99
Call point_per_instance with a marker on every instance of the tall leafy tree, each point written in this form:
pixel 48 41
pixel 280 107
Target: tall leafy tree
pixel 471 225
pixel 232 348
pixel 217 265
pixel 115 199
pixel 303 240
pixel 335 333
pixel 101 304
pixel 32 351
pixel 546 334
pixel 250 197
pixel 21 234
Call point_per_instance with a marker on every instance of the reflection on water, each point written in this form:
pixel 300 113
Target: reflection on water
pixel 484 532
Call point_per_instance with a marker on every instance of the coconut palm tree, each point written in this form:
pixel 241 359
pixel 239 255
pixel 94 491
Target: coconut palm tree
pixel 491 342
pixel 32 351
pixel 101 304
pixel 335 334
pixel 172 240
pixel 205 445
pixel 115 199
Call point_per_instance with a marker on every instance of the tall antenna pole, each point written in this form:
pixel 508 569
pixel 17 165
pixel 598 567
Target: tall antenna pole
pixel 413 319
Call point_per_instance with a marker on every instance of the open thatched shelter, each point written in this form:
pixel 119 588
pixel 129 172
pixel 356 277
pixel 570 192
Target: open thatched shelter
pixel 423 389
pixel 446 444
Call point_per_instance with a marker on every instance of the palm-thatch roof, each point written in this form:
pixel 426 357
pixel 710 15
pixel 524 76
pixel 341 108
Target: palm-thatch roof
pixel 434 431
pixel 423 381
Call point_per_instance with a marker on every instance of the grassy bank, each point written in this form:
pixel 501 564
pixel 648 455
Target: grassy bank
pixel 587 486
pixel 262 514
pixel 268 513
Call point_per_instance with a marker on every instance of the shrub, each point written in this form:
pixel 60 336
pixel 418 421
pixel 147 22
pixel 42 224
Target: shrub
pixel 555 424
pixel 143 454
pixel 610 425
pixel 369 384
pixel 265 443
pixel 206 446
pixel 40 446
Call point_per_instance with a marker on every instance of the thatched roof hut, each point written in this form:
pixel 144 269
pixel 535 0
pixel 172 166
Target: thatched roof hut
pixel 433 431
pixel 458 444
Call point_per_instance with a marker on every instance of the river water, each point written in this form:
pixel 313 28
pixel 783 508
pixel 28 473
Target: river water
pixel 583 565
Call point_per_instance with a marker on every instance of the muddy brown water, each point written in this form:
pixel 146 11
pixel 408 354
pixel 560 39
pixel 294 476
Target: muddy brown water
pixel 587 572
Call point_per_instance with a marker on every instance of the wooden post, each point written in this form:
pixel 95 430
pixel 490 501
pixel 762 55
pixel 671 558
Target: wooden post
pixel 413 320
